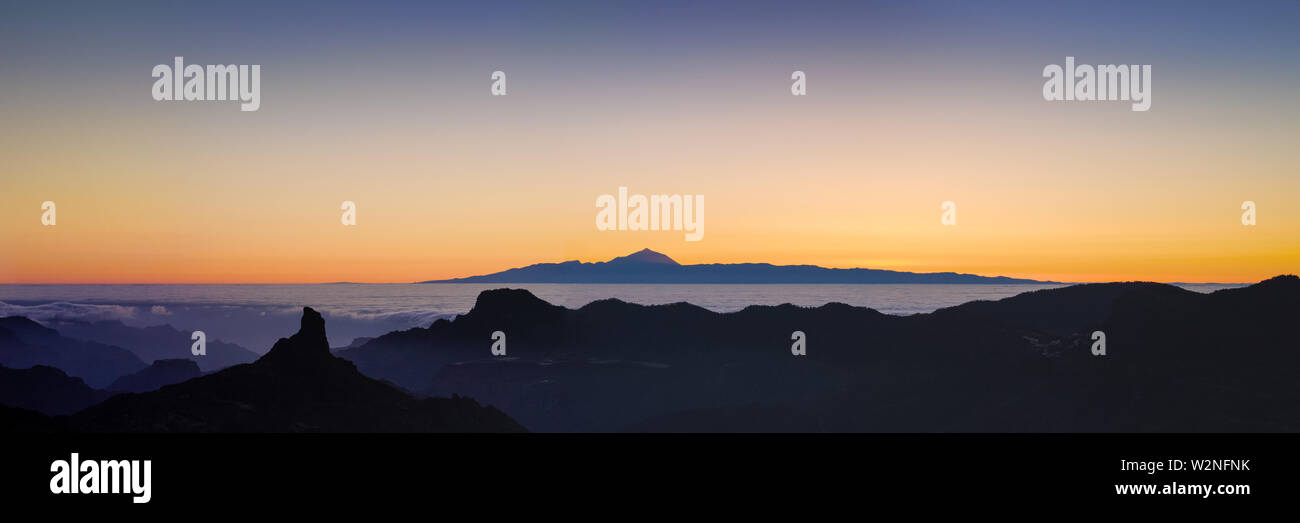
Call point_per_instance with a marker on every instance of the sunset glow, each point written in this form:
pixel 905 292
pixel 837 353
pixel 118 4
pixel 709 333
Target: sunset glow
pixel 450 181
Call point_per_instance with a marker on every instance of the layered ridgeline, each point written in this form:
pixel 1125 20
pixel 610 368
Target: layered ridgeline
pixel 154 343
pixel 296 387
pixel 25 344
pixel 157 375
pixel 647 266
pixel 100 353
pixel 1175 360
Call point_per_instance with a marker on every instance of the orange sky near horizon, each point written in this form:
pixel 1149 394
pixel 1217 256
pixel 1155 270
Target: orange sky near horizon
pixel 137 205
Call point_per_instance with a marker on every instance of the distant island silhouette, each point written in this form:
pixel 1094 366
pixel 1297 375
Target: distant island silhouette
pixel 647 266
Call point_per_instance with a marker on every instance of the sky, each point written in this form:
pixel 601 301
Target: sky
pixel 388 105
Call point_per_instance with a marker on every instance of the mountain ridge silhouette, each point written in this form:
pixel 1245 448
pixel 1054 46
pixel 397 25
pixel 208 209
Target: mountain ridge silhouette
pixel 1018 364
pixel 1176 361
pixel 157 375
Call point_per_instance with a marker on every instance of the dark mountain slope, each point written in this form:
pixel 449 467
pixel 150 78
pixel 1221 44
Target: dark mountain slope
pixel 14 419
pixel 47 390
pixel 157 375
pixel 53 392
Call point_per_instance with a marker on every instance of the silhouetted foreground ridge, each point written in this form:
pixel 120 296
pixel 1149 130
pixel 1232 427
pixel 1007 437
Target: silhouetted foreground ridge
pixel 1176 360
